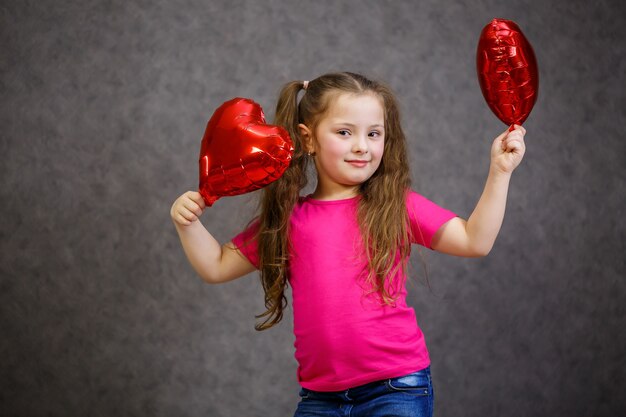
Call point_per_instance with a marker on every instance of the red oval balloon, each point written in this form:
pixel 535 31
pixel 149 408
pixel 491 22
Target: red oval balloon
pixel 240 152
pixel 507 71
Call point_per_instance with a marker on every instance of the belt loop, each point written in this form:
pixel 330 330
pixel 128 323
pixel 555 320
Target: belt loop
pixel 346 394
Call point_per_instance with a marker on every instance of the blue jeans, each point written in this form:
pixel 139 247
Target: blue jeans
pixel 410 395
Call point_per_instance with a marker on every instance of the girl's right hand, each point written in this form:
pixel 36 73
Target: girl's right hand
pixel 187 208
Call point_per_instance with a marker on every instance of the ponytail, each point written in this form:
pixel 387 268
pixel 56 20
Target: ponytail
pixel 276 205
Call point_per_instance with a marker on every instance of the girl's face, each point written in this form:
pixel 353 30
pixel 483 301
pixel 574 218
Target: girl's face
pixel 348 144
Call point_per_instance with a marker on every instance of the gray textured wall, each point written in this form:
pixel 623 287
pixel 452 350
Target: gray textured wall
pixel 103 104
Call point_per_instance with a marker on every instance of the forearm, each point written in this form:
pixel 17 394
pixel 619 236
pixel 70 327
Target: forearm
pixel 202 249
pixel 476 236
pixel 485 221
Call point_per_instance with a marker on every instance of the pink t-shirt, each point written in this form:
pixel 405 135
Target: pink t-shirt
pixel 343 336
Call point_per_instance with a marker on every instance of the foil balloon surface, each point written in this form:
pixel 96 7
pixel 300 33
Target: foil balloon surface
pixel 240 152
pixel 507 71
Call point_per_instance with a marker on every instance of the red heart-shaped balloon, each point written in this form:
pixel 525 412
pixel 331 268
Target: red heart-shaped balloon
pixel 240 152
pixel 507 71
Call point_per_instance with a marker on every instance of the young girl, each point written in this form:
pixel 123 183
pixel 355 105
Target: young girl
pixel 344 248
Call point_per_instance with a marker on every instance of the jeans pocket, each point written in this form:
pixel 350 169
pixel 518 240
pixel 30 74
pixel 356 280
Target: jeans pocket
pixel 417 383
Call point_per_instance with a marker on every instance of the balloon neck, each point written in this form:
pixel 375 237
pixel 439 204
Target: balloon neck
pixel 209 199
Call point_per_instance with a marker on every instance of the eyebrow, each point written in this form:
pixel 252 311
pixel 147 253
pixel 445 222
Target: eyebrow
pixel 353 125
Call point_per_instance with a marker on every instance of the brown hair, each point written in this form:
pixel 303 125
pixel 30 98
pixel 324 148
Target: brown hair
pixel 382 214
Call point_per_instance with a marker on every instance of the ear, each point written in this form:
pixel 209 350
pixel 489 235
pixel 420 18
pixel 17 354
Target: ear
pixel 307 138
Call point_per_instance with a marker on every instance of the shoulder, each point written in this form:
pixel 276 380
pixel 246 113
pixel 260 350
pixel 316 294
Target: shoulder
pixel 415 199
pixel 426 212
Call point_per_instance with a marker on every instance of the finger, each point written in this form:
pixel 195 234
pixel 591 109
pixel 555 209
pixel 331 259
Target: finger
pixel 520 128
pixel 518 136
pixel 514 145
pixel 498 142
pixel 506 139
pixel 187 214
pixel 181 220
pixel 197 198
pixel 193 207
pixel 515 135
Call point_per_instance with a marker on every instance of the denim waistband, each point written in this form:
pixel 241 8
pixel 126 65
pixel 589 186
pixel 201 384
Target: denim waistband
pixel 361 392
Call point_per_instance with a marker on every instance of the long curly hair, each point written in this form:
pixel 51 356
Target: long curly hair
pixel 382 214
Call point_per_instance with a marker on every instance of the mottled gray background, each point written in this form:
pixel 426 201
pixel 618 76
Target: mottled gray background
pixel 103 105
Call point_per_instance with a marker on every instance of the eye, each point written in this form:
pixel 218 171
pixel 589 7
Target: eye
pixel 375 134
pixel 343 132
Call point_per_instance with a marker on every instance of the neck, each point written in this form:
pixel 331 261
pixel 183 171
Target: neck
pixel 322 193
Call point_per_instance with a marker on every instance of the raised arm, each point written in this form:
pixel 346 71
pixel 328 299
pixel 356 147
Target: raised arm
pixel 214 263
pixel 475 237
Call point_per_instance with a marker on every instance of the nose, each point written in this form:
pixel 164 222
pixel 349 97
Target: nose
pixel 360 144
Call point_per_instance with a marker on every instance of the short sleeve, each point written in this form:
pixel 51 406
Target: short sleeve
pixel 425 218
pixel 247 244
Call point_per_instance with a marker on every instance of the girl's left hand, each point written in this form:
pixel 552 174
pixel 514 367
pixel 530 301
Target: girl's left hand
pixel 508 150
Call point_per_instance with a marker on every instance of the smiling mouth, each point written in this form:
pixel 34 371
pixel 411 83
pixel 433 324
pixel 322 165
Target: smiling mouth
pixel 358 162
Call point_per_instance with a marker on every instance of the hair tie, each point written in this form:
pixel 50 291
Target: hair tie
pixel 305 85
